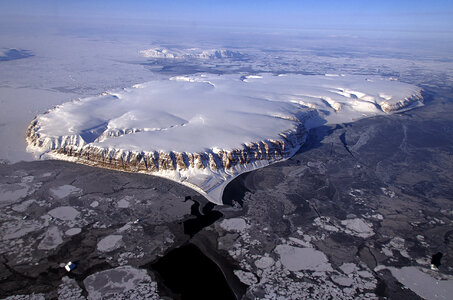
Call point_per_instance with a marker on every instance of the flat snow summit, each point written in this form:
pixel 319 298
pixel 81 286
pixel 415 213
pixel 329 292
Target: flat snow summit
pixel 205 130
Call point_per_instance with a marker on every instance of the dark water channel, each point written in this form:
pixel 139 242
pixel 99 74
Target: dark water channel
pixel 186 273
pixel 435 259
pixel 206 217
pixel 235 191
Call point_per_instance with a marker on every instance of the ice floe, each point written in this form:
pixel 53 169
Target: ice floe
pixel 110 243
pixel 423 282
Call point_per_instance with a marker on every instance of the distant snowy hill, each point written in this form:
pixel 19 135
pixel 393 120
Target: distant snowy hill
pixel 204 130
pixel 190 53
pixel 12 54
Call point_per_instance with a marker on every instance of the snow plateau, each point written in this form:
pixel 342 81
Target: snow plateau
pixel 204 130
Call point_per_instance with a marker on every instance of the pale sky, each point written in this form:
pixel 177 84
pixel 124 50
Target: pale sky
pixel 415 15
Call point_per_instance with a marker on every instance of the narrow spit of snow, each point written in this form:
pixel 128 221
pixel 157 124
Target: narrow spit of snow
pixel 213 114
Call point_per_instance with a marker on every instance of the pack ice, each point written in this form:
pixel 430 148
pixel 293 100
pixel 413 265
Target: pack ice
pixel 204 130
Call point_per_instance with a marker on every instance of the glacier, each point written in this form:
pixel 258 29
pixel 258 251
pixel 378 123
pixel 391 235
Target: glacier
pixel 204 130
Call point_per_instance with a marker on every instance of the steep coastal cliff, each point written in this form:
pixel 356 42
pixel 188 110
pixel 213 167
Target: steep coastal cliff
pixel 203 132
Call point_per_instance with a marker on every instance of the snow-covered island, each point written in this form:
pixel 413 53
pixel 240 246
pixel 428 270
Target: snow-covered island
pixel 204 130
pixel 190 53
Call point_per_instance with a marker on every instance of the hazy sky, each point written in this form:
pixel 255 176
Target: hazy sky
pixel 433 15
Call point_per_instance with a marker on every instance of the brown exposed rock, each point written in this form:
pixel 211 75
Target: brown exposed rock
pixel 74 148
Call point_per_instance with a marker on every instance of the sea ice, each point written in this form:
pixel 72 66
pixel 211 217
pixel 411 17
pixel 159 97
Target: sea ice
pixel 245 277
pixel 264 262
pixel 22 207
pixel 11 193
pixel 73 231
pixel 123 282
pixel 52 238
pixel 358 227
pixel 297 259
pixel 16 230
pixel 123 203
pixel 234 224
pixel 65 213
pixel 422 283
pixel 348 268
pixel 110 243
pixel 342 280
pixel 64 191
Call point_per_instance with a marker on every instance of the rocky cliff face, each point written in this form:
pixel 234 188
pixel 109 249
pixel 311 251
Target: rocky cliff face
pixel 75 148
pixel 402 104
pixel 221 164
